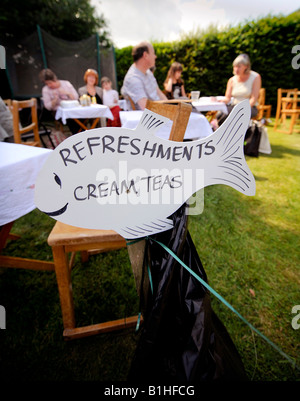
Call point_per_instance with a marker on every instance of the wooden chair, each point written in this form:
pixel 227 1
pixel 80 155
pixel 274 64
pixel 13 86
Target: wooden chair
pixel 65 239
pixel 8 103
pixel 19 131
pixel 31 134
pixel 287 106
pixel 127 97
pixel 264 110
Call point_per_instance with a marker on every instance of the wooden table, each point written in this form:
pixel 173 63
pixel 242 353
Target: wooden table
pixel 210 104
pixel 176 101
pixel 19 166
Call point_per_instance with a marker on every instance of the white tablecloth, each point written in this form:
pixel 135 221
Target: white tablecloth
pixel 93 111
pixel 198 126
pixel 207 104
pixel 123 104
pixel 19 166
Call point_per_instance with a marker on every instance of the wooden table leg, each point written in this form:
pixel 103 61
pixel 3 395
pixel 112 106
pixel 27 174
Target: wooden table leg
pixel 4 234
pixel 95 122
pixel 81 124
pixel 64 283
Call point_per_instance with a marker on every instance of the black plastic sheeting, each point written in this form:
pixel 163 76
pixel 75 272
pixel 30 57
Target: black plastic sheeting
pixel 181 339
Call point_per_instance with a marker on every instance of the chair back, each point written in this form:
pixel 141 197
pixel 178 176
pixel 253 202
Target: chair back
pixel 19 130
pixel 285 98
pixel 127 97
pixel 8 103
pixel 262 97
pixel 287 106
pixel 263 109
pixel 178 113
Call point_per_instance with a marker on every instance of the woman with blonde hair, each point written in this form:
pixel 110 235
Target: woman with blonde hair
pixel 174 85
pixel 244 84
pixel 91 89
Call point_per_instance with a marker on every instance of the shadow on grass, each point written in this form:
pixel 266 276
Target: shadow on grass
pixel 279 151
pixel 32 347
pixel 241 251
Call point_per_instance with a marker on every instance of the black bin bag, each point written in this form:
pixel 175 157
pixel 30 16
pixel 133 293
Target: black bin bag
pixel 181 339
pixel 252 139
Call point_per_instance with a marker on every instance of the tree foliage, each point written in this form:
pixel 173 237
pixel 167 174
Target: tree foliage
pixel 207 56
pixel 66 19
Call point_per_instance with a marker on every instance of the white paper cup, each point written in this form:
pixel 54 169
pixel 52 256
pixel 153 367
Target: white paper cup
pixel 195 95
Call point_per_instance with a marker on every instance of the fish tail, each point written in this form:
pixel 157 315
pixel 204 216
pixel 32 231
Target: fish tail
pixel 150 121
pixel 232 169
pixel 148 228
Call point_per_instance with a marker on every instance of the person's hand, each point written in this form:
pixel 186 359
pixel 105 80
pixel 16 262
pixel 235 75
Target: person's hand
pixel 55 101
pixel 64 95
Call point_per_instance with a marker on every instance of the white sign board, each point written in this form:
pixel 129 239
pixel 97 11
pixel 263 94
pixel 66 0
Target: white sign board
pixel 130 181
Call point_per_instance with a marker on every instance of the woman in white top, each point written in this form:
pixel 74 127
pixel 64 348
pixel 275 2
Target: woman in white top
pixel 245 84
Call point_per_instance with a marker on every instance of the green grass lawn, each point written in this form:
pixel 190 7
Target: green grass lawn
pixel 250 250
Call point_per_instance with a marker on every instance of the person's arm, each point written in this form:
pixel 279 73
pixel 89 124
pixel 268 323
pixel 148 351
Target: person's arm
pixel 168 85
pixel 133 88
pixel 115 96
pixel 255 90
pixel 73 94
pixel 142 103
pixel 82 90
pixel 68 89
pixel 161 95
pixel 49 103
pixel 99 91
pixel 228 92
pixel 183 91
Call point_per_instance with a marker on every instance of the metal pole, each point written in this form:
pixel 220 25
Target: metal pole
pixel 116 73
pixel 42 46
pixel 98 56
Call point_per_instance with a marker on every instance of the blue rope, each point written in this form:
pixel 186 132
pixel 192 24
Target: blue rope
pixel 228 305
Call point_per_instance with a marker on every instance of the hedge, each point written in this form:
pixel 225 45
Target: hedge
pixel 207 56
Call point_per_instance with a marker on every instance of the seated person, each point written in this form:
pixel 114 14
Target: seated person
pixel 91 78
pixel 139 82
pixel 6 123
pixel 173 85
pixel 111 99
pixel 56 90
pixel 245 84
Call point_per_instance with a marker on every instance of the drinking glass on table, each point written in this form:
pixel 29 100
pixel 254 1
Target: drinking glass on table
pixel 195 95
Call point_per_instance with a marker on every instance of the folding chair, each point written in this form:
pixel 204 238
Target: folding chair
pixel 30 133
pixel 287 106
pixel 264 110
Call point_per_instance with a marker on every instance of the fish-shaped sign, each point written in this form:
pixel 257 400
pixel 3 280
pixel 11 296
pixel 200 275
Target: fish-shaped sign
pixel 131 181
